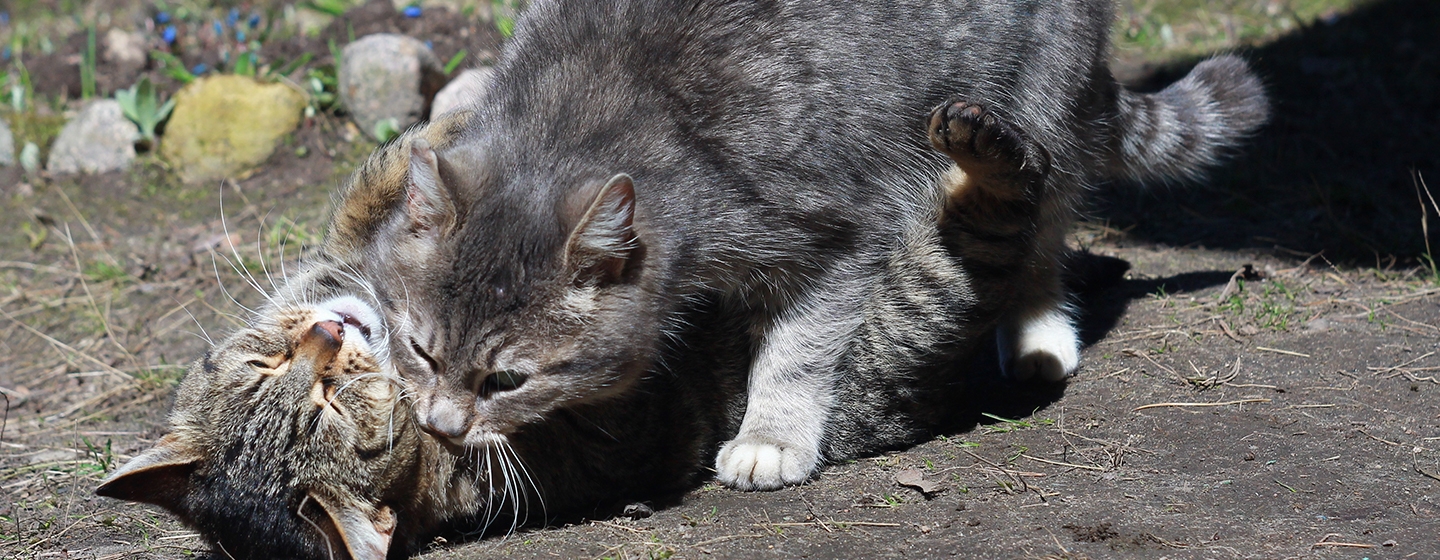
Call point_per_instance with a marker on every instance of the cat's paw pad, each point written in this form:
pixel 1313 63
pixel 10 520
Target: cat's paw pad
pixel 969 133
pixel 1047 347
pixel 747 464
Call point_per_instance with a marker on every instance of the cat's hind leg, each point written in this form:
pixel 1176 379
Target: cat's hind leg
pixel 995 219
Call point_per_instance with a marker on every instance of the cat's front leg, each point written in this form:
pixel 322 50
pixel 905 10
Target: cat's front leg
pixel 791 391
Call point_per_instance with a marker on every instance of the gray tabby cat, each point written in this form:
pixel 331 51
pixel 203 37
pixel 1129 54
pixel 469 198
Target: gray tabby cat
pixel 294 438
pixel 763 153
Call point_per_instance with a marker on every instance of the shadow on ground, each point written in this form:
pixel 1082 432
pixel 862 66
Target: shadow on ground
pixel 1356 111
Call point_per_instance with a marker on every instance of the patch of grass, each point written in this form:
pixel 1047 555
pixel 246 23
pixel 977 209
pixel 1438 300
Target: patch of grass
pixel 1180 28
pixel 102 271
pixel 33 127
pixel 1007 425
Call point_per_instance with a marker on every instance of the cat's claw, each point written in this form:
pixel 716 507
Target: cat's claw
pixel 760 465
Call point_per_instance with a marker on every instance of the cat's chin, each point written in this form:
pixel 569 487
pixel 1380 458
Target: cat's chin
pixel 485 439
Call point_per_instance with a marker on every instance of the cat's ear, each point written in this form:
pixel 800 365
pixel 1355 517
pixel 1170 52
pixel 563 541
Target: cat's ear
pixel 601 244
pixel 367 532
pixel 159 476
pixel 428 202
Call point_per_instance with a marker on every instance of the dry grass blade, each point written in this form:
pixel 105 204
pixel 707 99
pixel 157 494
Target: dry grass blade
pixel 66 347
pixel 1064 464
pixel 1285 352
pixel 1198 404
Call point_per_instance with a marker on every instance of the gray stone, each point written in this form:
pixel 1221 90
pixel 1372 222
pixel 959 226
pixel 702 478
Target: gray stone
pixel 125 48
pixel 387 76
pixel 98 140
pixel 462 90
pixel 7 145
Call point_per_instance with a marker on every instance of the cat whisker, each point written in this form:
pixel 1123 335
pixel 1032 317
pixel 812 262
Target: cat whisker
pixel 244 273
pixel 216 266
pixel 260 252
pixel 300 511
pixel 525 471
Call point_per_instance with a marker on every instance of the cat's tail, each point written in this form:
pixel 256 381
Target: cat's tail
pixel 1180 131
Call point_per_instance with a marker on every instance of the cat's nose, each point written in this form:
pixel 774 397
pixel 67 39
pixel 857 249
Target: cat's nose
pixel 444 419
pixel 322 341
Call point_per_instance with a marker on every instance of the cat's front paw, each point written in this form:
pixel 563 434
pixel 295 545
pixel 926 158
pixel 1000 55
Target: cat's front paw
pixel 972 135
pixel 756 464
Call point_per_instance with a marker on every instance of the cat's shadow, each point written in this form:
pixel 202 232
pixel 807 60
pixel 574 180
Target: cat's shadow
pixel 1101 294
pixel 1354 118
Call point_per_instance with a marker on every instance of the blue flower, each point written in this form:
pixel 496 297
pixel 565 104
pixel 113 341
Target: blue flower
pixel 162 17
pixel 254 21
pixel 429 44
pixel 240 35
pixel 199 69
pixel 412 12
pixel 4 18
pixel 233 17
pixel 5 55
pixel 219 29
pixel 169 34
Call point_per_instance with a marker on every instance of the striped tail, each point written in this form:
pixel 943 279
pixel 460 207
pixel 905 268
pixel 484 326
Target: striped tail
pixel 1180 131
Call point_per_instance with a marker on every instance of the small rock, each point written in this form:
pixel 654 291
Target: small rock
pixel 388 76
pixel 98 140
pixel 125 49
pixel 1249 330
pixel 53 456
pixel 638 510
pixel 30 158
pixel 225 125
pixel 462 90
pixel 7 145
pixel 1320 324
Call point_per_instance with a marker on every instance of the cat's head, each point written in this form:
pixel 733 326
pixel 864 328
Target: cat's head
pixel 517 301
pixel 288 436
pixel 294 437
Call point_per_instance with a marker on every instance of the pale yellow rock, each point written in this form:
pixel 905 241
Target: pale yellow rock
pixel 225 125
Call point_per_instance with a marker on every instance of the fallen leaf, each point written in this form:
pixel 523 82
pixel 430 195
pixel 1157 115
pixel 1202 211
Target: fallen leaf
pixel 913 478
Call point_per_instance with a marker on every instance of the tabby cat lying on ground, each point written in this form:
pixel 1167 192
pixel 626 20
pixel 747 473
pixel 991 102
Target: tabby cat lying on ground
pixel 631 157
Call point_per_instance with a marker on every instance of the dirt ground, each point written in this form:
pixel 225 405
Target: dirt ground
pixel 1261 377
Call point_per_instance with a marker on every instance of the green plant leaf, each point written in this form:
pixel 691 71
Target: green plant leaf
pixel 385 129
pixel 455 61
pixel 287 69
pixel 245 64
pixel 173 67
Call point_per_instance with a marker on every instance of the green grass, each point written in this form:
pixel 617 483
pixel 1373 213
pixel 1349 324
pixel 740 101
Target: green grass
pixel 1180 28
pixel 32 126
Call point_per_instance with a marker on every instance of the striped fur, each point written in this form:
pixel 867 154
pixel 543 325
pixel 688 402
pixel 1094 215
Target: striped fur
pixel 1180 131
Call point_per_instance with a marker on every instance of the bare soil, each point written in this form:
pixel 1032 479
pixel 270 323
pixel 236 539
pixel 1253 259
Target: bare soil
pixel 1261 377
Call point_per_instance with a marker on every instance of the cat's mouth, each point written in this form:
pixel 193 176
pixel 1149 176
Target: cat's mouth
pixel 353 315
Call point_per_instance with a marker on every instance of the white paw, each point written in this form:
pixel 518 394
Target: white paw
pixel 749 464
pixel 1046 346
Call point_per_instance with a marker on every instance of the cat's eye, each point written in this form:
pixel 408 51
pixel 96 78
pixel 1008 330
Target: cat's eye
pixel 271 366
pixel 504 380
pixel 429 361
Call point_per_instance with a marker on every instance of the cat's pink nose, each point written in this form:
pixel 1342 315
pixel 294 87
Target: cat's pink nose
pixel 444 419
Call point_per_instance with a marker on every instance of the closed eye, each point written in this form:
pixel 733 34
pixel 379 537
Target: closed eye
pixel 270 366
pixel 429 361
